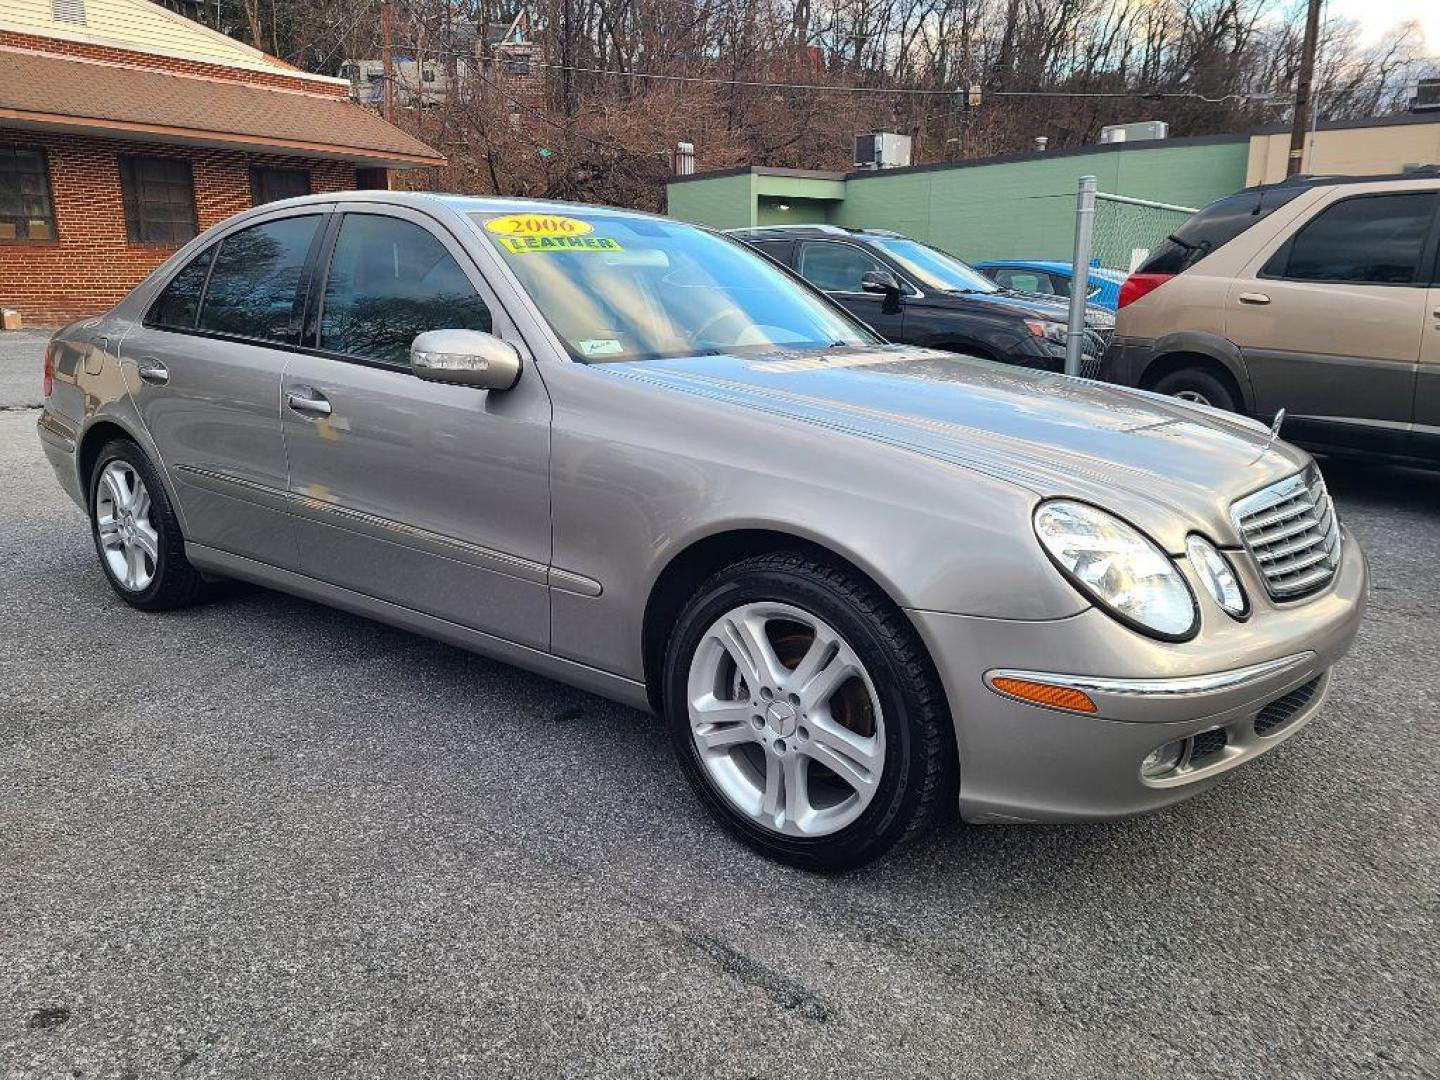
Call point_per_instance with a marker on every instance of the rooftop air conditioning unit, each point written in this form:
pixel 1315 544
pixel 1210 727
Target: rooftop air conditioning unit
pixel 1425 96
pixel 882 150
pixel 1144 131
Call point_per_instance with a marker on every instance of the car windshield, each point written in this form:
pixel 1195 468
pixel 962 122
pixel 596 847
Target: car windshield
pixel 618 288
pixel 934 269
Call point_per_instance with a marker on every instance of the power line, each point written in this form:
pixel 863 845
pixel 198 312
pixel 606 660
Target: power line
pixel 900 91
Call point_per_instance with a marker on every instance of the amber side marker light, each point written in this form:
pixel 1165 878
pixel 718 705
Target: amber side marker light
pixel 1038 693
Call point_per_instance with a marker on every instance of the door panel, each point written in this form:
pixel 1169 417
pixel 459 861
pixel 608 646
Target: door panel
pixel 1329 326
pixel 434 497
pixel 207 384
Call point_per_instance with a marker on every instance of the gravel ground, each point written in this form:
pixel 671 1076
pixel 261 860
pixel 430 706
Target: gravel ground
pixel 260 838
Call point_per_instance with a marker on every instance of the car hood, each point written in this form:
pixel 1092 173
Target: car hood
pixel 1167 465
pixel 1023 305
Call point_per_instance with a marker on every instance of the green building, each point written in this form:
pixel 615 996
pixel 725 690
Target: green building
pixel 1017 206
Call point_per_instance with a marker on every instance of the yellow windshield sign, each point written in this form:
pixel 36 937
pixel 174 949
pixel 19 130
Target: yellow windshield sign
pixel 521 245
pixel 538 225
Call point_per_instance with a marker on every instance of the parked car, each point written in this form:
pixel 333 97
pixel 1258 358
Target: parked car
pixel 1318 296
pixel 910 292
pixel 1050 278
pixel 864 584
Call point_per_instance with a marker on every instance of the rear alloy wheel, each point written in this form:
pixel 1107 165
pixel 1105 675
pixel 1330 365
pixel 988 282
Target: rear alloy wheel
pixel 806 714
pixel 137 535
pixel 1200 386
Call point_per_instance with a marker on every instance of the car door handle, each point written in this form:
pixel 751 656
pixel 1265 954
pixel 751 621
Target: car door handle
pixel 1253 298
pixel 152 371
pixel 310 403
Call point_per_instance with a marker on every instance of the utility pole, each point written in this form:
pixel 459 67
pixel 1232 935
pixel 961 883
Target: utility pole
pixel 1303 79
pixel 385 30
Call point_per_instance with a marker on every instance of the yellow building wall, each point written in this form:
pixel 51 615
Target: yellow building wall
pixel 1347 151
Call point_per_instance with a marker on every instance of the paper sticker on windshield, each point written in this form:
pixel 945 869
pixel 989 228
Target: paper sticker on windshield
pixel 600 347
pixel 538 225
pixel 520 245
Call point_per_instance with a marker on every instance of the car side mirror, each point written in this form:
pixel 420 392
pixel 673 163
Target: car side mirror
pixel 465 358
pixel 879 281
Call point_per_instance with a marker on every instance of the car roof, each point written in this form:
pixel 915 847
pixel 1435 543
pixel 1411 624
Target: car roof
pixel 464 204
pixel 781 232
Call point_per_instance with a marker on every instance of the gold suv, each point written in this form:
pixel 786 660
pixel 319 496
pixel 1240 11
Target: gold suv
pixel 1319 296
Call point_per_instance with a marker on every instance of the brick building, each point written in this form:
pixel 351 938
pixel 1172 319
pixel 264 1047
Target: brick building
pixel 126 128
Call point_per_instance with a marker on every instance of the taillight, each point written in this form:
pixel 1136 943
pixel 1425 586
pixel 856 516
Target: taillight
pixel 49 380
pixel 1138 285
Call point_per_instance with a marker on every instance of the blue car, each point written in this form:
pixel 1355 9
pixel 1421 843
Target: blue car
pixel 1052 278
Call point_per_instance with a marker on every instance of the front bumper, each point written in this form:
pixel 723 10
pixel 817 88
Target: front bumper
pixel 1021 762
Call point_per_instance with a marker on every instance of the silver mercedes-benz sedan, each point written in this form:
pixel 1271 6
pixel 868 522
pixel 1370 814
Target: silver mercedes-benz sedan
pixel 865 585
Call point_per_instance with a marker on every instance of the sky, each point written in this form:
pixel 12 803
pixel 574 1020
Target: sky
pixel 1377 17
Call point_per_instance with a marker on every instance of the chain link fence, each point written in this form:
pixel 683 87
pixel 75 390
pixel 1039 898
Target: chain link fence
pixel 1127 230
pixel 1117 233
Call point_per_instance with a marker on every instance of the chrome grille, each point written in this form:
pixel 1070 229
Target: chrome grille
pixel 1292 533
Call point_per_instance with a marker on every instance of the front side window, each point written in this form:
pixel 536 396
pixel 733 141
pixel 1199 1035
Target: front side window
pixel 391 280
pixel 837 267
pixel 255 282
pixel 619 287
pixel 270 185
pixel 1370 240
pixel 26 211
pixel 159 200
pixel 178 305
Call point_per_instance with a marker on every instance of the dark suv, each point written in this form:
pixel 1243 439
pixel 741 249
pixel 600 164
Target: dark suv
pixel 913 293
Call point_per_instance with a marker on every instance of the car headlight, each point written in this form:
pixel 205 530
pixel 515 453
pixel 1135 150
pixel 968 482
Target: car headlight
pixel 1217 576
pixel 1118 567
pixel 1057 333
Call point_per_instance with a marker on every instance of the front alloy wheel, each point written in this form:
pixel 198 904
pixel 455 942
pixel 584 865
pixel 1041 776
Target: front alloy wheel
pixel 786 720
pixel 806 714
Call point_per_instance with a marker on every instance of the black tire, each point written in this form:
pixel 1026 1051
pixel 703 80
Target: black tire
pixel 174 583
pixel 920 774
pixel 1199 384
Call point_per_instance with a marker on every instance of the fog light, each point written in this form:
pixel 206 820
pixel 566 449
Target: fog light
pixel 1163 760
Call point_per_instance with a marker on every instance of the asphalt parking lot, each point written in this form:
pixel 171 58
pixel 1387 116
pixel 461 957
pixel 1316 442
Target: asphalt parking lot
pixel 260 838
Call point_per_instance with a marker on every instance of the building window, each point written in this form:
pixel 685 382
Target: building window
pixel 517 65
pixel 269 185
pixel 159 200
pixel 26 211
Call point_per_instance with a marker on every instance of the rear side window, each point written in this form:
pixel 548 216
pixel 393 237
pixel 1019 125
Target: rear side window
pixel 1215 226
pixel 1367 240
pixel 178 305
pixel 256 280
pixel 391 280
